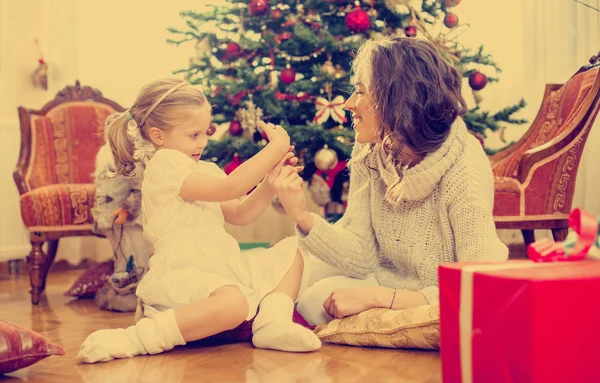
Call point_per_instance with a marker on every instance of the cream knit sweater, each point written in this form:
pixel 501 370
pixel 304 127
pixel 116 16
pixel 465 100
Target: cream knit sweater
pixel 445 216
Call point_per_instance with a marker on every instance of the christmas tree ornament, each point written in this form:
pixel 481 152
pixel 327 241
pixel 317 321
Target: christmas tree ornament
pixel 328 68
pixel 229 51
pixel 211 130
pixel 477 80
pixel 249 116
pixel 330 108
pixel 451 20
pixel 40 76
pixel 235 128
pixel 339 71
pixel 231 166
pixel 276 14
pixel 326 159
pixel 288 76
pixel 477 96
pixel 258 7
pixel 358 20
pixel 410 31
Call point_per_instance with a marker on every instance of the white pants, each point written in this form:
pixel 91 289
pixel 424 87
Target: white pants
pixel 323 280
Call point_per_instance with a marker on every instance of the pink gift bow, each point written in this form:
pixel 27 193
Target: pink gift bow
pixel 586 227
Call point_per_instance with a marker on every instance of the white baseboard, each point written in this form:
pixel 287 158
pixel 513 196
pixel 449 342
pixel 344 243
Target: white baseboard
pixel 14 252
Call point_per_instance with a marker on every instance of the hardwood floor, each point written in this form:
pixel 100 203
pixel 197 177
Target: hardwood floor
pixel 67 322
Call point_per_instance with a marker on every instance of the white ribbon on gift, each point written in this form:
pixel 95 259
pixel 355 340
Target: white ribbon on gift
pixel 465 315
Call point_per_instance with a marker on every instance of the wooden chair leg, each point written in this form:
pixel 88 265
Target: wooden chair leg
pixel 528 236
pixel 36 261
pixel 560 234
pixel 52 247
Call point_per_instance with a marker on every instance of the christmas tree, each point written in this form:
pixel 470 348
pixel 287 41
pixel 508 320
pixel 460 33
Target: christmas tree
pixel 288 62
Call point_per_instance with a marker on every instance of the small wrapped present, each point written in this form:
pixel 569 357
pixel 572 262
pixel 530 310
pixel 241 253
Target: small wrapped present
pixel 524 321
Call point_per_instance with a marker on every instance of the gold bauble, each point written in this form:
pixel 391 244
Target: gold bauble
pixel 326 159
pixel 328 68
pixel 339 71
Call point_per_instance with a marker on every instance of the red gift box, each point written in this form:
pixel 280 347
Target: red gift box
pixel 520 321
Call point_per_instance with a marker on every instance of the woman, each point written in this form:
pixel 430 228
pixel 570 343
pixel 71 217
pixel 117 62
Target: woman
pixel 421 188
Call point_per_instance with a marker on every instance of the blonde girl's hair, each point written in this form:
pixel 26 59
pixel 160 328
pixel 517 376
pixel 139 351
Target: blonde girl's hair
pixel 156 105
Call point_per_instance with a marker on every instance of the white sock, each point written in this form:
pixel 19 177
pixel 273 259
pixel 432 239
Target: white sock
pixel 274 329
pixel 148 336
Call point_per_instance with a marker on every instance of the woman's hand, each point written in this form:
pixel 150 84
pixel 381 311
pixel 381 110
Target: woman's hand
pixel 120 216
pixel 344 302
pixel 288 186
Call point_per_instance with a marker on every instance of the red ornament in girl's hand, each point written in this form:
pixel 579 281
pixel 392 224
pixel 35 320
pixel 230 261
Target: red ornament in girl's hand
pixel 258 7
pixel 477 80
pixel 358 20
pixel 288 76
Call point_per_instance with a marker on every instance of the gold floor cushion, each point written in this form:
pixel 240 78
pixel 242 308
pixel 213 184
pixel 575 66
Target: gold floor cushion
pixel 417 327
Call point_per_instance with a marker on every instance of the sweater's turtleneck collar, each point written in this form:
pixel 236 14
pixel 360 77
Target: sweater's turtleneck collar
pixel 420 180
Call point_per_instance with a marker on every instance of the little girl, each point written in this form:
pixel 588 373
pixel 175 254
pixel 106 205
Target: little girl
pixel 198 283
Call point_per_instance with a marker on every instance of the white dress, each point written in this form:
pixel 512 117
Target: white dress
pixel 193 254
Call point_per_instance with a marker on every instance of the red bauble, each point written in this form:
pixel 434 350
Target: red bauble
pixel 235 128
pixel 231 52
pixel 259 7
pixel 287 76
pixel 233 164
pixel 276 14
pixel 477 81
pixel 358 21
pixel 211 130
pixel 451 20
pixel 452 3
pixel 410 31
pixel 233 48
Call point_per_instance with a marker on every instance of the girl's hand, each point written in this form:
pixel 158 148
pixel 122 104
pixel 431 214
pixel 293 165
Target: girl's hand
pixel 344 302
pixel 120 216
pixel 275 133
